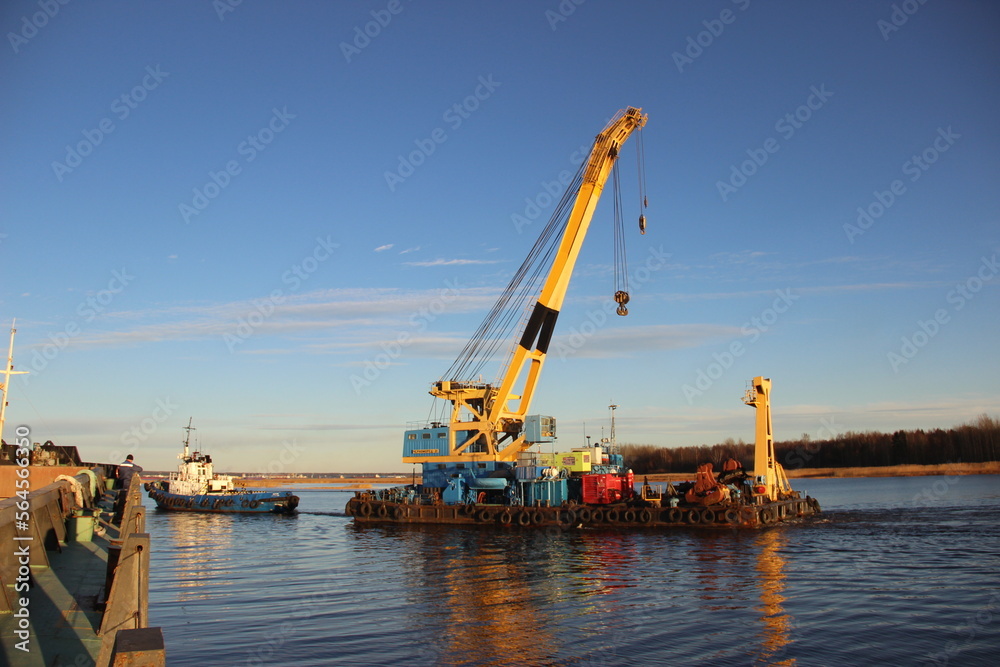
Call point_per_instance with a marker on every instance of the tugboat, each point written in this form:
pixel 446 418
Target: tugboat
pixel 195 487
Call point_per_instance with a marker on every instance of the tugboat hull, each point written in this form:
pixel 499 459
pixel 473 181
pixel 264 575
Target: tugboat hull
pixel 266 502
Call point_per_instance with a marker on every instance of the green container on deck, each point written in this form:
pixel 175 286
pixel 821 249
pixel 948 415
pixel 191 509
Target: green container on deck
pixel 80 526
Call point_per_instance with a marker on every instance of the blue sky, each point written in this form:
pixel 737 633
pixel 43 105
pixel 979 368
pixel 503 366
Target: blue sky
pixel 237 215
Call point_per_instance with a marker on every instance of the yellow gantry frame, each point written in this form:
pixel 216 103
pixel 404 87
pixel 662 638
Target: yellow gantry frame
pixel 767 471
pixel 493 426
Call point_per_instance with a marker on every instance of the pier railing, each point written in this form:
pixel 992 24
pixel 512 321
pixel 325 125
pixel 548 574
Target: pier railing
pixel 126 614
pixel 33 539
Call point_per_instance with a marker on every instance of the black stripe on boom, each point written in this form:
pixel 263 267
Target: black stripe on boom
pixel 548 326
pixel 542 319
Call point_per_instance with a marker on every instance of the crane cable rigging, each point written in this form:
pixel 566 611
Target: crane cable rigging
pixel 640 158
pixel 621 258
pixel 520 293
pixel 518 297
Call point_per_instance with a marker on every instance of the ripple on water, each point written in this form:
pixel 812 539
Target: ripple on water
pixel 880 578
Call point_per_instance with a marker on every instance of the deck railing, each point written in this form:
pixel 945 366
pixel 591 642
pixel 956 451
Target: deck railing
pixel 39 520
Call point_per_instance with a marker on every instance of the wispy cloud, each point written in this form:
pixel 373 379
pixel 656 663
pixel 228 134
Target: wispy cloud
pixel 616 342
pixel 345 315
pixel 429 347
pixel 409 250
pixel 383 248
pixel 453 262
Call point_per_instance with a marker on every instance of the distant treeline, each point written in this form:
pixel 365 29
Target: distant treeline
pixel 969 443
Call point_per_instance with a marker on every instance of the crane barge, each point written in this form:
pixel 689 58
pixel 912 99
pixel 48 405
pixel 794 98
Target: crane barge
pixel 477 457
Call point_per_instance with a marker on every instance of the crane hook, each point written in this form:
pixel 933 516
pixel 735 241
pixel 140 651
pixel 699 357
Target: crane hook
pixel 621 298
pixel 642 224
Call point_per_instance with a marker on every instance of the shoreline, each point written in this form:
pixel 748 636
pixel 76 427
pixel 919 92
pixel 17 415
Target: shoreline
pixel 363 483
pixel 906 470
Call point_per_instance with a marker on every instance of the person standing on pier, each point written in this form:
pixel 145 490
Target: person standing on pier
pixel 126 469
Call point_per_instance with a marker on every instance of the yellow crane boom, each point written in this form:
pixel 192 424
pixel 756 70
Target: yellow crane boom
pixel 487 420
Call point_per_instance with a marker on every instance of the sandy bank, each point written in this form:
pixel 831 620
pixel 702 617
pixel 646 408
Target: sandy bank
pixel 989 468
pixel 362 483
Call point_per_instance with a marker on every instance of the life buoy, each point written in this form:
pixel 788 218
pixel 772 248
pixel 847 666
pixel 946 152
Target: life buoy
pixel 217 503
pixel 204 502
pixel 731 516
pixel 629 516
pixel 645 516
pixel 398 512
pixel 254 504
pixel 505 518
pixel 673 515
pixel 484 515
pixel 585 515
pixel 765 516
pixel 481 497
pixel 693 516
pixel 612 516
pixel 229 502
pixel 382 511
pixel 244 504
pixel 524 518
pixel 536 517
pixel 365 509
pixel 708 516
pixel 597 516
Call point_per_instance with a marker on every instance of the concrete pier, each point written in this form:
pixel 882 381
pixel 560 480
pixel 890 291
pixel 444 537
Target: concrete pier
pixel 74 569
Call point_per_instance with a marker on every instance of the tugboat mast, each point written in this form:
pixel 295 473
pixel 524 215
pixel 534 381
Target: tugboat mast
pixel 187 439
pixel 613 446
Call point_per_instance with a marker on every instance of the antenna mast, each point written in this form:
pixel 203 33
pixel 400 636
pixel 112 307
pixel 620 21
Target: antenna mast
pixel 8 371
pixel 187 437
pixel 614 444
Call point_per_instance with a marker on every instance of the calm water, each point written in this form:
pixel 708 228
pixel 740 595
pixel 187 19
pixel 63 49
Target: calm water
pixel 902 571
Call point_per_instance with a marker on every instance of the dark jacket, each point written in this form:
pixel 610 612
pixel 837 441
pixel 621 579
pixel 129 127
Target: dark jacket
pixel 125 472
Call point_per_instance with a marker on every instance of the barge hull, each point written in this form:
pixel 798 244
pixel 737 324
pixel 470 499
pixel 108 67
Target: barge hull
pixel 369 511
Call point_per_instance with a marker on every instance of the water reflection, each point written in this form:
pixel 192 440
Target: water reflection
pixel 200 546
pixel 482 590
pixel 491 598
pixel 776 624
